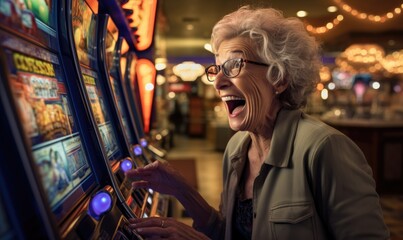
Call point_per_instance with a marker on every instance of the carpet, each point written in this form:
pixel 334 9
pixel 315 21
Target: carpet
pixel 392 206
pixel 187 167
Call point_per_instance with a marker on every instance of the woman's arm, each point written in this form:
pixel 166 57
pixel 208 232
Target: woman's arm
pixel 344 191
pixel 163 178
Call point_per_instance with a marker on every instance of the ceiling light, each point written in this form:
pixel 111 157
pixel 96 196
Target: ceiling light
pixel 393 62
pixel 160 63
pixel 302 14
pixel 361 58
pixel 188 70
pixel 332 9
pixel 160 66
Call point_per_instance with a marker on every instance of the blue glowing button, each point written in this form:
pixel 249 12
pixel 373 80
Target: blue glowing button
pixel 100 204
pixel 137 150
pixel 143 142
pixel 126 164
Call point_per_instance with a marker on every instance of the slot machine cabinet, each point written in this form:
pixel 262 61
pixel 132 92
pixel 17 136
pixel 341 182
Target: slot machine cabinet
pixel 133 98
pixel 85 26
pixel 142 22
pixel 69 194
pixel 113 44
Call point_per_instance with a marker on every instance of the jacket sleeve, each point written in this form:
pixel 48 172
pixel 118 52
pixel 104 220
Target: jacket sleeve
pixel 344 191
pixel 215 227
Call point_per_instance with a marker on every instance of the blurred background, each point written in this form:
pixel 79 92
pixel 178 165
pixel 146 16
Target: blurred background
pixel 362 58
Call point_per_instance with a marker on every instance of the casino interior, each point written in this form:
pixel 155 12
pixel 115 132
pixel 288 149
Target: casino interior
pixel 359 93
pixel 90 89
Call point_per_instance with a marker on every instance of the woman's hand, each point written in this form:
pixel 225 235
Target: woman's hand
pixel 166 228
pixel 159 176
pixel 163 178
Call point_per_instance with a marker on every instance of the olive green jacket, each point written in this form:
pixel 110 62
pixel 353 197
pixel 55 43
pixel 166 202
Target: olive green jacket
pixel 315 184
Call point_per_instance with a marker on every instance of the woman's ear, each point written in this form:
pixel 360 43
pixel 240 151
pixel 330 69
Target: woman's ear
pixel 281 87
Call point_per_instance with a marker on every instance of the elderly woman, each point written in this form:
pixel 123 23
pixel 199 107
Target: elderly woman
pixel 286 174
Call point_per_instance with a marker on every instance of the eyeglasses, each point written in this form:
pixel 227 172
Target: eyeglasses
pixel 231 68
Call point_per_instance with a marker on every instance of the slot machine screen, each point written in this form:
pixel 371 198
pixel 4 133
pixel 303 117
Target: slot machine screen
pixel 84 30
pixel 39 91
pixel 112 57
pixel 30 18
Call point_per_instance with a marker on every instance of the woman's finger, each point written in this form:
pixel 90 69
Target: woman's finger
pixel 140 184
pixel 150 228
pixel 137 174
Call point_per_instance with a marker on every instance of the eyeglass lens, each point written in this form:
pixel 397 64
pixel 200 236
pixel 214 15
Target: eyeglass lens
pixel 231 68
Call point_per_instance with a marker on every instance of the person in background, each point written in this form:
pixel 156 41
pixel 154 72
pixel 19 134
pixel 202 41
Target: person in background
pixel 286 175
pixel 176 118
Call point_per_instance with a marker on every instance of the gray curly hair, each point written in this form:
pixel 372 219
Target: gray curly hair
pixel 283 43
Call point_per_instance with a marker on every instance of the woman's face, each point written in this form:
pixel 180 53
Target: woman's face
pixel 248 96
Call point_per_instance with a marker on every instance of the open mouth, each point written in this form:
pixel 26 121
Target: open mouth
pixel 234 103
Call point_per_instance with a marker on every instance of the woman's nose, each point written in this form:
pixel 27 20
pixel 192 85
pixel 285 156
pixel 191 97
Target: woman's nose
pixel 221 81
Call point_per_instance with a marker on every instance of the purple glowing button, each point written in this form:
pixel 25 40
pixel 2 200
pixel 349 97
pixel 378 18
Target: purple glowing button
pixel 143 142
pixel 137 150
pixel 100 204
pixel 126 165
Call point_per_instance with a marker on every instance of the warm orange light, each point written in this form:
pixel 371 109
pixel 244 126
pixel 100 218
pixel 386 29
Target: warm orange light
pixel 93 4
pixel 124 48
pixel 112 29
pixel 144 19
pixel 123 66
pixel 146 74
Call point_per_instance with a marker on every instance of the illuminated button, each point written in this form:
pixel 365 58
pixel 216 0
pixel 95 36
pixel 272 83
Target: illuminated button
pixel 149 200
pixel 126 164
pixel 143 142
pixel 100 204
pixel 137 150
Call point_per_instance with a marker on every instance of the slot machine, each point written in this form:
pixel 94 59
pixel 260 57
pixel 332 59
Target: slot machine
pixel 134 101
pixel 112 44
pixel 86 28
pixel 70 193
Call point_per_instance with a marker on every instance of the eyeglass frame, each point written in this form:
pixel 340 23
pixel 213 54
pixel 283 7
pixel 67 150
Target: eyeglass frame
pixel 219 67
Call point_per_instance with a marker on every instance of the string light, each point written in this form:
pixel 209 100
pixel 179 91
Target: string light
pixel 325 28
pixel 370 17
pixel 356 13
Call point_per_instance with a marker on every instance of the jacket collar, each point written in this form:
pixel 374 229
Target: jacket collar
pixel 283 138
pixel 281 144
